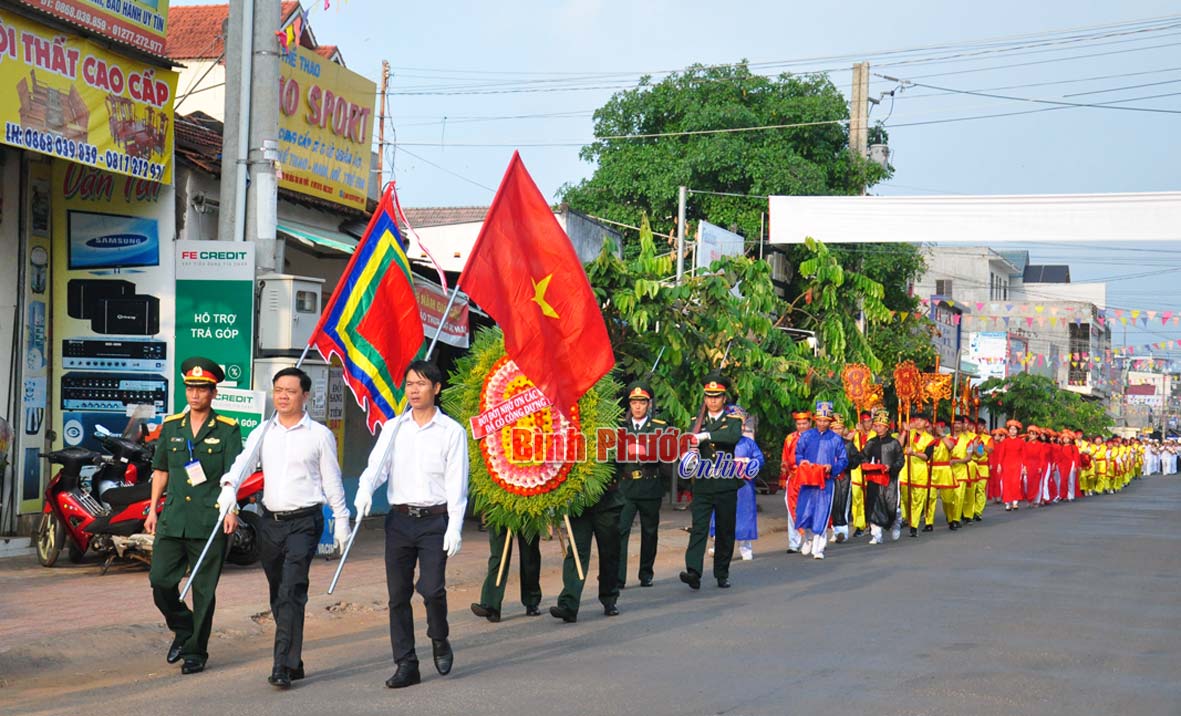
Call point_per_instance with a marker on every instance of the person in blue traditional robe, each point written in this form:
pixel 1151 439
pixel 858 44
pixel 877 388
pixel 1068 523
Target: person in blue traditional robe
pixel 750 457
pixel 821 454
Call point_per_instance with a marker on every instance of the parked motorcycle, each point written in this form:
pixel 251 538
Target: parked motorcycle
pixel 107 517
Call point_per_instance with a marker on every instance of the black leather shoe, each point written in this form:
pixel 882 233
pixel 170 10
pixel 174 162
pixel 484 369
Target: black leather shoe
pixel 914 531
pixel 977 518
pixel 858 532
pixel 280 678
pixel 192 666
pixel 174 651
pixel 564 614
pixel 444 657
pixel 929 528
pixel 792 551
pixel 692 579
pixel 406 675
pixel 622 585
pixel 953 526
pixel 645 582
pixel 532 611
pixel 610 610
pixel 297 673
pixel 723 583
pixel 492 615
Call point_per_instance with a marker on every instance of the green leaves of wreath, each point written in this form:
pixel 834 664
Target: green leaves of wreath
pixel 529 515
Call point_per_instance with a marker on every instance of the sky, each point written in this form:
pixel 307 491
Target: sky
pixel 457 109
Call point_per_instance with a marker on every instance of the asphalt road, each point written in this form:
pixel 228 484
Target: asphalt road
pixel 1073 609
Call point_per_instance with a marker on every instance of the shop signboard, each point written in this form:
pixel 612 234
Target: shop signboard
pixel 215 309
pixel 111 343
pixel 72 99
pixel 245 406
pixel 325 129
pixel 142 24
pixel 432 300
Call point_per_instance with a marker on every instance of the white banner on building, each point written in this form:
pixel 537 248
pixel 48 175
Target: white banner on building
pixel 983 220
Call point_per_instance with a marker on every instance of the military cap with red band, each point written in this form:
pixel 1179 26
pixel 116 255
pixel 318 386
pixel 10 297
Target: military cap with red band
pixel 198 371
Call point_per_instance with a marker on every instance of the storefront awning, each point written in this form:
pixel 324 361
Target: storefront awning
pixel 316 236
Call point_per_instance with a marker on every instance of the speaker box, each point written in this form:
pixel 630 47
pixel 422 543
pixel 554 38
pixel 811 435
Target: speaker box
pixel 135 316
pixel 85 294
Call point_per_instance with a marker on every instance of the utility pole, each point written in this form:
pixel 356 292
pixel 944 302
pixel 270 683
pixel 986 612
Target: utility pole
pixel 232 191
pixel 859 112
pixel 859 141
pixel 682 199
pixel 262 195
pixel 385 80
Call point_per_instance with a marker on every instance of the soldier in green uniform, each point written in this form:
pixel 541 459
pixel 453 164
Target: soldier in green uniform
pixel 492 595
pixel 602 521
pixel 715 490
pixel 195 449
pixel 640 485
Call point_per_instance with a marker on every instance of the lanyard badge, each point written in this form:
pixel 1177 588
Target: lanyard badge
pixel 193 467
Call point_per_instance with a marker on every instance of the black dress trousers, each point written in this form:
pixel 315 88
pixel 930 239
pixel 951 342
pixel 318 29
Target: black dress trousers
pixel 411 541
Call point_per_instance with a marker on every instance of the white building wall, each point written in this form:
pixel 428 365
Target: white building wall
pixel 198 91
pixel 1093 293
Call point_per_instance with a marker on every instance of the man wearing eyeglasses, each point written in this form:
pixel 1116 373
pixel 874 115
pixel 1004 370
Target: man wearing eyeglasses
pixel 300 474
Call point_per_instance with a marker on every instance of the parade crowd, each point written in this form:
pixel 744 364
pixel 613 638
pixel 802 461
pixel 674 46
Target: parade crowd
pixel 840 482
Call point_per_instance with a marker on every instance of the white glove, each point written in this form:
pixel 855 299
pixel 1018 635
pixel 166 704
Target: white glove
pixel 341 534
pixel 701 437
pixel 363 503
pixel 227 501
pixel 451 542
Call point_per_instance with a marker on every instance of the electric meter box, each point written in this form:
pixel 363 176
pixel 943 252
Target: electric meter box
pixel 288 311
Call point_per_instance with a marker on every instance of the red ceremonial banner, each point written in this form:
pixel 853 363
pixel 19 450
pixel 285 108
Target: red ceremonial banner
pixel 508 412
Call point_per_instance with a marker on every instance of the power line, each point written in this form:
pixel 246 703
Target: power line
pixel 400 148
pixel 1124 88
pixel 1165 20
pixel 1044 62
pixel 1046 84
pixel 573 81
pixel 1012 98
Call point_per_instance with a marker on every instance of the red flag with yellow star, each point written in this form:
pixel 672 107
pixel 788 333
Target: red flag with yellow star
pixel 524 272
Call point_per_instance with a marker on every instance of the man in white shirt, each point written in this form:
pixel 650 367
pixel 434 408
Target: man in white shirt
pixel 300 470
pixel 427 469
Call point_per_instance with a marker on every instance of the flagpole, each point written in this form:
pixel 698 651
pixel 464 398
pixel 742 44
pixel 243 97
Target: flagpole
pixel 450 302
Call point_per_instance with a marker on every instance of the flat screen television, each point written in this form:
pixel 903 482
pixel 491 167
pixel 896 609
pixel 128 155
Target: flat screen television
pixel 111 241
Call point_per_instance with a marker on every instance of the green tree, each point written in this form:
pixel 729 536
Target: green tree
pixel 732 313
pixel 636 177
pixel 732 172
pixel 1037 400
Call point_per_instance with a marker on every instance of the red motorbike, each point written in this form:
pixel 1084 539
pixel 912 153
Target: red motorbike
pixel 108 518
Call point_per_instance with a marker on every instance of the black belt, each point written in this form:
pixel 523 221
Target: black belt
pixel 294 514
pixel 415 511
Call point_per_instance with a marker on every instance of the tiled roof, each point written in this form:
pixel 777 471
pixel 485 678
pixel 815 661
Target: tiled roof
pixel 1039 273
pixel 327 51
pixel 422 217
pixel 194 31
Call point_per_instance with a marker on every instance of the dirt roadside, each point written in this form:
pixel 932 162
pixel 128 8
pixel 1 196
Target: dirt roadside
pixel 69 627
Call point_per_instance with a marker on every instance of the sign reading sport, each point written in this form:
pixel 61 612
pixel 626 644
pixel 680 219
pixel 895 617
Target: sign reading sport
pixel 325 128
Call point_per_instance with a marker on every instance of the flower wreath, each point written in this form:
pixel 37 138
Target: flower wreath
pixel 527 495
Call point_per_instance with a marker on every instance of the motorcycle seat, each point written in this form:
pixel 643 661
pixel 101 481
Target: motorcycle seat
pixel 120 497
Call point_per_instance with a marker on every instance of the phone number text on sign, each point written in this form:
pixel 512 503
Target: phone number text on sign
pixel 65 148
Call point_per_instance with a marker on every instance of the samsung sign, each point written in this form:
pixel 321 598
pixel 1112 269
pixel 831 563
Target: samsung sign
pixel 116 241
